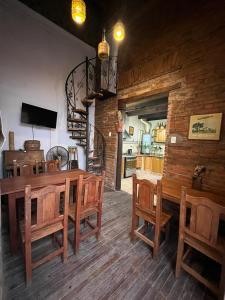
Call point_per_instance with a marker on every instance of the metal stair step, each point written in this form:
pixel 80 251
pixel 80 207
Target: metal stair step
pixel 76 129
pixel 94 95
pixel 93 158
pixel 79 111
pixel 95 165
pixel 78 137
pixel 87 102
pixel 76 120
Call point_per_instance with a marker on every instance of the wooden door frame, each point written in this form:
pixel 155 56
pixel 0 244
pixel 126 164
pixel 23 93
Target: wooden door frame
pixel 121 106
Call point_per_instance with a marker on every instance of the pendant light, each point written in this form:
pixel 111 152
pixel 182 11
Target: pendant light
pixel 119 31
pixel 103 48
pixel 78 11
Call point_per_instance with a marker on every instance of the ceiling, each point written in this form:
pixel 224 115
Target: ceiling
pixel 59 12
pixel 143 19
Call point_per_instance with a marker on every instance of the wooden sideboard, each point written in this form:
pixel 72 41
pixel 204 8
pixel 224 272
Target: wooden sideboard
pixel 19 156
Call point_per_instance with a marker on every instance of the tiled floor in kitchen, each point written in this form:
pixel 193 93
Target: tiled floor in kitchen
pixel 126 183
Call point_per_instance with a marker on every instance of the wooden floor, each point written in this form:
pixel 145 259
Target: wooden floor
pixel 112 268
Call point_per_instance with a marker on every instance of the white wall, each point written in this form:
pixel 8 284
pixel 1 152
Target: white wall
pixel 132 142
pixel 35 59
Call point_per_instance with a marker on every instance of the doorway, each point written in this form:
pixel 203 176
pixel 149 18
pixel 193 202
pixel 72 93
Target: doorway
pixel 143 140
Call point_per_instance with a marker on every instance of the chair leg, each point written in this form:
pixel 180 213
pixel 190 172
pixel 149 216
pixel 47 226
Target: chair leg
pixel 134 225
pixel 99 224
pixel 156 242
pixel 222 281
pixel 65 245
pixel 77 236
pixel 180 250
pixel 28 263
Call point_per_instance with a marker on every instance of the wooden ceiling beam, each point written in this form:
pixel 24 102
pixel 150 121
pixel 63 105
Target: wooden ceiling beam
pixel 152 117
pixel 162 92
pixel 149 110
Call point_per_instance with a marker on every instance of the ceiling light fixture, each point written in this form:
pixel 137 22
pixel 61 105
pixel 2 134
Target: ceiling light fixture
pixel 119 31
pixel 103 48
pixel 78 11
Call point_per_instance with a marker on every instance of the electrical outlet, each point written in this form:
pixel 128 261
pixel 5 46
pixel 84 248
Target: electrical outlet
pixel 110 133
pixel 173 139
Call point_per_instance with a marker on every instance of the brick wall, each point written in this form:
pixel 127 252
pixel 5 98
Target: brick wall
pixel 191 54
pixel 105 120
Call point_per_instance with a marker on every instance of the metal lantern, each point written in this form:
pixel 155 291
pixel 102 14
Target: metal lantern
pixel 103 48
pixel 119 31
pixel 78 11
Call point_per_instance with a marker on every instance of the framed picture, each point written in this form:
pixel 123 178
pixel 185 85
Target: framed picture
pixel 205 127
pixel 131 130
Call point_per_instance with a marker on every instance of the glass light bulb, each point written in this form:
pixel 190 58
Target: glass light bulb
pixel 119 31
pixel 78 11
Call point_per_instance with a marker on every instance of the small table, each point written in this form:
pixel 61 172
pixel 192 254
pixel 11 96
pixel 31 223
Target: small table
pixel 12 186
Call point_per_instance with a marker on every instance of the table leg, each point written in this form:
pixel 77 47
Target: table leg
pixel 12 224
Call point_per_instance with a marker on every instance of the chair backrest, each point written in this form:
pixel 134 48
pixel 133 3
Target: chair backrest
pixel 89 192
pixel 147 196
pixel 204 217
pixel 48 206
pixel 25 168
pixel 51 166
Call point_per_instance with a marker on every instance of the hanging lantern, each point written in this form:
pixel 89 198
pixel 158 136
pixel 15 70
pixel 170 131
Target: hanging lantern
pixel 119 31
pixel 78 11
pixel 103 48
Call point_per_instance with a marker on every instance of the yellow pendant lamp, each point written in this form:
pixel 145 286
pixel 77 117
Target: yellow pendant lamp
pixel 119 31
pixel 103 48
pixel 78 11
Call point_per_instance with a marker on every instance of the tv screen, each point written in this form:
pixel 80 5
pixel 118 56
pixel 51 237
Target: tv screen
pixel 35 115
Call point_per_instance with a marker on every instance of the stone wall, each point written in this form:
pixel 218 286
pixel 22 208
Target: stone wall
pixel 191 67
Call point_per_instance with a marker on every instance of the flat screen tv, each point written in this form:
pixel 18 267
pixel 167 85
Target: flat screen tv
pixel 35 115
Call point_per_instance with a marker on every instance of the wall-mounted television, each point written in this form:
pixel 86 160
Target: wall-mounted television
pixel 35 115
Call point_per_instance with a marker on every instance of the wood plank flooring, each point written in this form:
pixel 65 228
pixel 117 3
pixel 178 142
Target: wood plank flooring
pixel 111 268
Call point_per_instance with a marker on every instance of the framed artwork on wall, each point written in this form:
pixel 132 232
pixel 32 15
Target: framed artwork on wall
pixel 205 127
pixel 131 130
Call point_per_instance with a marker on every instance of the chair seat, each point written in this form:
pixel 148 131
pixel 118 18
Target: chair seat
pixel 42 232
pixel 165 217
pixel 84 213
pixel 215 252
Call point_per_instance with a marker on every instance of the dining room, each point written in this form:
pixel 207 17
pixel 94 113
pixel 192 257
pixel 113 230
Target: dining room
pixel 71 76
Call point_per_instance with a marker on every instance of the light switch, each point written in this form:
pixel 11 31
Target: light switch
pixel 173 139
pixel 110 133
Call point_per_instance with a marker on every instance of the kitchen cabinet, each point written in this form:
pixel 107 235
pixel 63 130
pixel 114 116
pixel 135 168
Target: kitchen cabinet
pixel 157 165
pixel 160 135
pixel 140 163
pixel 153 164
pixel 148 163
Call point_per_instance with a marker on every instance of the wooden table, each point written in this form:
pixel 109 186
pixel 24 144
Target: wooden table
pixel 15 185
pixel 171 190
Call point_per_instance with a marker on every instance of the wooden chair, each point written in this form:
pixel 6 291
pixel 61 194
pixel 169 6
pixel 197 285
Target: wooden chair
pixel 147 204
pixel 25 168
pixel 88 203
pixel 50 166
pixel 47 220
pixel 200 231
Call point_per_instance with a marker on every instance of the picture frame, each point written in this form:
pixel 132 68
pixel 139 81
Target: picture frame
pixel 205 127
pixel 131 130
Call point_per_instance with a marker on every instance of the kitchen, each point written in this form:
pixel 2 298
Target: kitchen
pixel 144 138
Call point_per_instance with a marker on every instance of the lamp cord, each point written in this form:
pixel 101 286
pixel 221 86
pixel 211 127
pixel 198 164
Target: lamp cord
pixel 33 131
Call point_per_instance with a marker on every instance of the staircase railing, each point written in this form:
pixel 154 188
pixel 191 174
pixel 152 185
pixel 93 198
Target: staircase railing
pixel 89 80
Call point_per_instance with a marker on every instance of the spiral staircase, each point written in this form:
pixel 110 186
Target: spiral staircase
pixel 91 79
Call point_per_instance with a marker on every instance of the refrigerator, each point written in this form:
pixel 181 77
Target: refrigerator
pixel 146 143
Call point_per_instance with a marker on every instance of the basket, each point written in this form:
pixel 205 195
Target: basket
pixel 31 145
